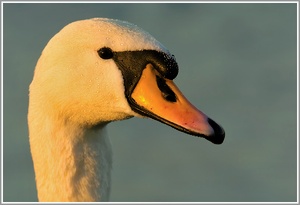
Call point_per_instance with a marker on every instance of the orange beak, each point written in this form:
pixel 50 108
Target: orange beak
pixel 160 99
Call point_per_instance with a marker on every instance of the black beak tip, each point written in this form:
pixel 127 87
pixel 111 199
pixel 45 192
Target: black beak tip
pixel 219 133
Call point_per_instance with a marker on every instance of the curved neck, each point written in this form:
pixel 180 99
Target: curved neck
pixel 71 163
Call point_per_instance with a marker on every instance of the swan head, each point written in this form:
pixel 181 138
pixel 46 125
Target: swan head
pixel 101 70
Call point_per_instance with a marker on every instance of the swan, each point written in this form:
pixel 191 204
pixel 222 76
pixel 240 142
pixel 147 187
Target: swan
pixel 90 73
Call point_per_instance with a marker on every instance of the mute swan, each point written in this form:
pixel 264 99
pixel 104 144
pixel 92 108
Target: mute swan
pixel 91 73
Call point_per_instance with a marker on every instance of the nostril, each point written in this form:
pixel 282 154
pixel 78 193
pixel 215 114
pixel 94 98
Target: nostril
pixel 166 91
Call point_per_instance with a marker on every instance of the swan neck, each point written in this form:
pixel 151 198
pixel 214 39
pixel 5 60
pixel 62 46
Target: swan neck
pixel 71 163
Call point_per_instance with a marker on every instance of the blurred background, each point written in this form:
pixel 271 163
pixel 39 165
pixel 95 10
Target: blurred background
pixel 237 64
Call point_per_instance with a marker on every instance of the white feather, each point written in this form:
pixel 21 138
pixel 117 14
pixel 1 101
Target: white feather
pixel 73 95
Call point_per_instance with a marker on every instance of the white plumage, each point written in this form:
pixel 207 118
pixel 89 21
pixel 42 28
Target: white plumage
pixel 73 95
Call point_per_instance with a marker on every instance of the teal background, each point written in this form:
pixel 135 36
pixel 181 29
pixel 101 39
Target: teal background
pixel 237 64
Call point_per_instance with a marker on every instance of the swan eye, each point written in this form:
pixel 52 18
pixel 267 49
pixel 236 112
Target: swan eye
pixel 166 91
pixel 105 53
